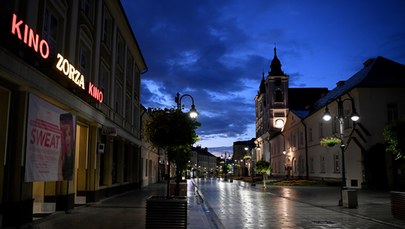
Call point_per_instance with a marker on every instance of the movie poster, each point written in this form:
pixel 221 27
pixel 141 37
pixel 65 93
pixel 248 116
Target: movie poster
pixel 50 144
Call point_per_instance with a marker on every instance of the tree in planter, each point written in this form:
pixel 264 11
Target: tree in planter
pixel 263 167
pixel 175 132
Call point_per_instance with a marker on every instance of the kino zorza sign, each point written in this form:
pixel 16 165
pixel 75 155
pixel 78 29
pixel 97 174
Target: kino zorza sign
pixel 41 46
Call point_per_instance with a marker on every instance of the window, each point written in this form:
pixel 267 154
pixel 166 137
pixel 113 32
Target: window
pixel 114 163
pixel 120 51
pixel 105 83
pixel 336 163
pixel 51 30
pixel 87 8
pixel 118 97
pixel 279 96
pixel 320 130
pixel 392 112
pixel 129 72
pixel 311 165
pixel 310 136
pixel 85 60
pixel 301 164
pixel 128 108
pixel 322 163
pixel 301 141
pixel 107 28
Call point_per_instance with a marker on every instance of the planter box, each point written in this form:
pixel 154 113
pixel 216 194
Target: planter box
pixel 166 213
pixel 398 205
pixel 182 192
pixel 349 198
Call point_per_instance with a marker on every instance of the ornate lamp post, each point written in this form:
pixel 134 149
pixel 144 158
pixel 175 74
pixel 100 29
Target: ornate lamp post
pixel 193 112
pixel 341 118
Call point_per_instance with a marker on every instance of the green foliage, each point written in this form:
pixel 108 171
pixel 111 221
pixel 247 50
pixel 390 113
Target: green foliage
pixel 394 135
pixel 330 141
pixel 262 166
pixel 173 131
pixel 247 157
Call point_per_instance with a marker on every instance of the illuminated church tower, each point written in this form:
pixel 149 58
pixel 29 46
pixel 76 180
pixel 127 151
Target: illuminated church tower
pixel 277 94
pixel 271 105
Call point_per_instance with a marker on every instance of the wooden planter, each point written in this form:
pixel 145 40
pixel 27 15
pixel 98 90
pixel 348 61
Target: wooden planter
pixel 398 205
pixel 162 212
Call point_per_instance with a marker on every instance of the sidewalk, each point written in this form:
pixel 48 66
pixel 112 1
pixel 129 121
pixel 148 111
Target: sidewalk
pixel 127 210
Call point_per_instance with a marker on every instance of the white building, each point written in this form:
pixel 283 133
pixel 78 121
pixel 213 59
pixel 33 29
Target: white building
pixel 376 93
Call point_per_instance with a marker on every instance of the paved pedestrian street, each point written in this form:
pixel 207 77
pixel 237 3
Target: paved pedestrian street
pixel 213 203
pixel 238 205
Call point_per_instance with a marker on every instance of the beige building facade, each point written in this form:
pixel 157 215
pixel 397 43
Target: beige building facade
pixel 70 106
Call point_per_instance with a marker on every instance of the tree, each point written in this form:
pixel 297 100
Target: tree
pixel 394 135
pixel 175 132
pixel 263 167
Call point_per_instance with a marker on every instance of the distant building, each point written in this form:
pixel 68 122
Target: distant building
pixel 241 149
pixel 202 162
pixel 376 93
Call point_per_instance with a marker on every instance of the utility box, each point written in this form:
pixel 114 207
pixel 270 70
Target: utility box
pixel 349 198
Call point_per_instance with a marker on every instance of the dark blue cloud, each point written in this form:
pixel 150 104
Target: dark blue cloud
pixel 217 50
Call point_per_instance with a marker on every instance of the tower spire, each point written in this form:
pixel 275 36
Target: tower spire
pixel 275 66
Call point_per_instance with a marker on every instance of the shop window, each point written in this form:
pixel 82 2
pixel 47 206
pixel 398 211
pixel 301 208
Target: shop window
pixel 101 156
pixel 125 163
pixel 114 166
pixel 107 28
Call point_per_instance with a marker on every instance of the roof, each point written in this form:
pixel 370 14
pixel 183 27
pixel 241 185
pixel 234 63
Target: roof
pixel 202 151
pixel 304 98
pixel 377 72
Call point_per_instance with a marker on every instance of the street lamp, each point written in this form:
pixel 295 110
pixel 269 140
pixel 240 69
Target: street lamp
pixel 193 112
pixel 341 117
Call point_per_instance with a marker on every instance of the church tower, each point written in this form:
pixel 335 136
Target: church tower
pixel 271 105
pixel 277 95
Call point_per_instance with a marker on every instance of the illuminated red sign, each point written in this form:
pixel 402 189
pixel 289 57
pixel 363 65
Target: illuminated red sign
pixel 29 37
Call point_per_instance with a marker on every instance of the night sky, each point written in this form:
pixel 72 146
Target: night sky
pixel 216 51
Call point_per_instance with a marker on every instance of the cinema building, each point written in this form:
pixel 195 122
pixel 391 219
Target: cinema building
pixel 69 105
